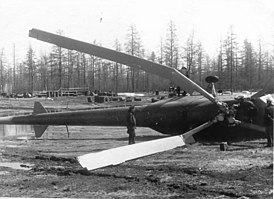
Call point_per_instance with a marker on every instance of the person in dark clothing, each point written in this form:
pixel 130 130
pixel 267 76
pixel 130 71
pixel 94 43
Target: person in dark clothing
pixel 178 90
pixel 246 110
pixel 268 119
pixel 230 116
pixel 131 125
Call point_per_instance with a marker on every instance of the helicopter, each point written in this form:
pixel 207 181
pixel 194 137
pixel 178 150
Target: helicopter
pixel 180 116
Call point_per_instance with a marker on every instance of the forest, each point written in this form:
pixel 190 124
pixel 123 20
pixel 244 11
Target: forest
pixel 239 66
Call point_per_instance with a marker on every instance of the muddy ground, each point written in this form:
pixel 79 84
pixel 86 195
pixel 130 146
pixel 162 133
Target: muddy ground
pixel 47 167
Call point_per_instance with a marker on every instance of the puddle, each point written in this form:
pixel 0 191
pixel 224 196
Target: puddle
pixel 17 131
pixel 16 165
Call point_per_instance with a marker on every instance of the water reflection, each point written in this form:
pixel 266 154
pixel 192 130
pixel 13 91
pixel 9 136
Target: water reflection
pixel 15 130
pixel 16 165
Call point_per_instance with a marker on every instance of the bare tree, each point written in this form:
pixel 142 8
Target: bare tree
pixel 31 68
pixel 2 70
pixel 161 57
pixel 84 68
pixel 14 68
pixel 248 65
pixel 93 63
pixel 171 46
pixel 147 78
pixel 231 54
pixel 132 47
pixel 190 54
pixel 260 63
pixel 220 65
pixel 117 67
pixel 44 72
pixel 242 66
pixel 200 62
pixel 58 56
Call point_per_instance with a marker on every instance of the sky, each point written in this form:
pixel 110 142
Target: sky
pixel 108 20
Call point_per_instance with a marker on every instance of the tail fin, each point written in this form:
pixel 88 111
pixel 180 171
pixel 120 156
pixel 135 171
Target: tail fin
pixel 39 129
pixel 38 108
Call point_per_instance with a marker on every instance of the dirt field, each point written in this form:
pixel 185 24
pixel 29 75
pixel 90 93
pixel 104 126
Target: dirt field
pixel 47 167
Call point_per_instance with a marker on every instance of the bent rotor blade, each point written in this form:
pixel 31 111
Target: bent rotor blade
pixel 266 89
pixel 122 154
pixel 190 133
pixel 151 67
pixel 255 127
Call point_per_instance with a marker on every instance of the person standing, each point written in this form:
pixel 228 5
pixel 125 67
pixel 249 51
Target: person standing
pixel 131 125
pixel 178 90
pixel 268 119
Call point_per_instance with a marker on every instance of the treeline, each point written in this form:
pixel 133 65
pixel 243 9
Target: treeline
pixel 240 66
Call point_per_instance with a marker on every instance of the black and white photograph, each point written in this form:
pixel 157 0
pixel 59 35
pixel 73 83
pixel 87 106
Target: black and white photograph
pixel 136 99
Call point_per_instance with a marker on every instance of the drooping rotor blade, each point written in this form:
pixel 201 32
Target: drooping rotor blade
pixel 151 67
pixel 255 127
pixel 266 88
pixel 122 154
pixel 190 133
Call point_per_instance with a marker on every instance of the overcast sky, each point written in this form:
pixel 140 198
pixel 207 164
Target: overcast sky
pixel 80 19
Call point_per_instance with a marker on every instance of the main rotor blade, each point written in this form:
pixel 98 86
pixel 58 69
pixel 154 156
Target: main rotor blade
pixel 122 154
pixel 266 88
pixel 255 127
pixel 151 67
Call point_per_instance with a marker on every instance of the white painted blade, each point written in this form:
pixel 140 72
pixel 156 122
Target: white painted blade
pixel 122 154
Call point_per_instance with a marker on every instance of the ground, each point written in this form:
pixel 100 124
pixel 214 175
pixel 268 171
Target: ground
pixel 47 167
